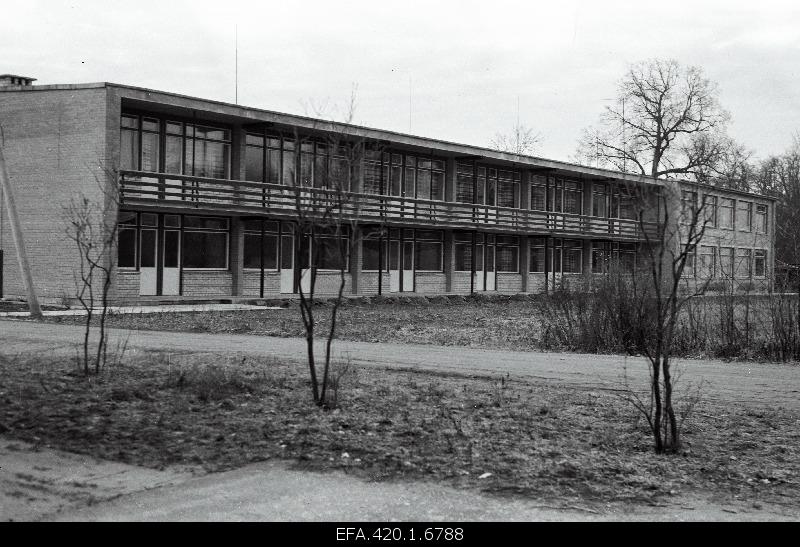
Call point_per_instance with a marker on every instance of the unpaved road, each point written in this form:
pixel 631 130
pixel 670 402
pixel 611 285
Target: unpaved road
pixel 50 485
pixel 775 385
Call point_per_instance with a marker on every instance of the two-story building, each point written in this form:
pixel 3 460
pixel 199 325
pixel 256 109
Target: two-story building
pixel 209 195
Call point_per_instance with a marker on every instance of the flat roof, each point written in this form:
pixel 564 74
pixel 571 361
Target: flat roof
pixel 252 114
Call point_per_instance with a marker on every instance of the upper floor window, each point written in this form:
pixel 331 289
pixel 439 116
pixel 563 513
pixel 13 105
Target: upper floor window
pixel 567 196
pixel 139 143
pixel 744 216
pixel 688 204
pixel 487 185
pixel 710 210
pixel 421 177
pixel 599 200
pixel 539 193
pixel 725 213
pixel 761 219
pixel 759 263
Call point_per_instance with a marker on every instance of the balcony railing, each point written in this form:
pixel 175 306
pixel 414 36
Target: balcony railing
pixel 143 188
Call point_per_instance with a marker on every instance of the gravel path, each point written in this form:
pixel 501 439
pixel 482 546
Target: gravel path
pixel 772 384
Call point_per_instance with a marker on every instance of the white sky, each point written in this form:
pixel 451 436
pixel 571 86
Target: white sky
pixel 451 69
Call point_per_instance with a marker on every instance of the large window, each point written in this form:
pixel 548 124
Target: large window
pixel 260 244
pixel 725 213
pixel 205 243
pixel 428 248
pixel 139 143
pixel 421 177
pixel 487 185
pixel 708 262
pixel 539 193
pixel 507 254
pixel 599 200
pixel 332 250
pixel 761 219
pixel 744 217
pixel 463 251
pixel 568 255
pixel 727 264
pixel 465 189
pixel 744 263
pixel 537 254
pixel 710 210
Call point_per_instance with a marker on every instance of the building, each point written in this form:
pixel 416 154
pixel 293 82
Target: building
pixel 209 199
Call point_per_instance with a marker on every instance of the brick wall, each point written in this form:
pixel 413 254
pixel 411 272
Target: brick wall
pixel 55 148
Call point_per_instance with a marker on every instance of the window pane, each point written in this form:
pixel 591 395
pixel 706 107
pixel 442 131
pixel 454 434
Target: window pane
pixel 174 155
pixel 171 248
pixel 129 150
pixel 205 250
pixel 126 252
pixel 254 164
pixel 148 250
pixel 150 152
pixel 127 217
pixel 428 256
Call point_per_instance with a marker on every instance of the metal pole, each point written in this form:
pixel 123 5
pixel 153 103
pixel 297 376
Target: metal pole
pixel 16 233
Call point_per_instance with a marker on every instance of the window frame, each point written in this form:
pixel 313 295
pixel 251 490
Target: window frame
pixel 189 229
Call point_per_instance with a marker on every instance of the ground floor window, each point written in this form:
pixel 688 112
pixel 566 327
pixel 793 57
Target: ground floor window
pixel 727 259
pixel 260 244
pixel 463 251
pixel 428 250
pixel 708 262
pixel 744 263
pixel 759 263
pixel 507 254
pixel 568 255
pixel 205 243
pixel 537 254
pixel 126 240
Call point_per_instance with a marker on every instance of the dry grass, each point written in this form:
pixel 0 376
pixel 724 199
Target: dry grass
pixel 538 440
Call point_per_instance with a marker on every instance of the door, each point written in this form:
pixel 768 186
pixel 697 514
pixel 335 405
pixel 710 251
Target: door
pixel 491 273
pixel 171 271
pixel 287 264
pixel 148 262
pixel 394 266
pixel 408 266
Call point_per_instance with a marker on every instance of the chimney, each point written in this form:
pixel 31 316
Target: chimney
pixel 7 80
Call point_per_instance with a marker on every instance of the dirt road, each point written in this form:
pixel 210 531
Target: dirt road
pixel 776 385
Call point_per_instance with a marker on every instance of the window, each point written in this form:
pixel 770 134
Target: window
pixel 205 243
pixel 688 204
pixel 761 219
pixel 626 257
pixel 573 197
pixel 507 254
pixel 599 200
pixel 139 143
pixel 428 250
pixel 689 267
pixel 507 188
pixel 464 183
pixel 537 254
pixel 568 255
pixel 333 251
pixel 208 151
pixel 601 256
pixel 725 214
pixel 759 263
pixel 407 175
pixel 126 240
pixel 708 263
pixel 462 247
pixel 744 217
pixel 710 204
pixel 260 243
pixel 539 193
pixel 744 264
pixel 726 262
pixel 371 250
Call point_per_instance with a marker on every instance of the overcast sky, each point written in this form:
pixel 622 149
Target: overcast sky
pixel 454 70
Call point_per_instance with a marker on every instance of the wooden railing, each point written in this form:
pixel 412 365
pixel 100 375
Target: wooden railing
pixel 142 188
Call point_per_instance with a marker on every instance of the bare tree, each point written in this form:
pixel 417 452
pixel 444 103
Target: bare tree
pixel 521 140
pixel 660 291
pixel 326 224
pixel 667 122
pixel 92 227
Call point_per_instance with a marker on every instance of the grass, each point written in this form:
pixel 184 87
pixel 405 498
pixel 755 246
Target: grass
pixel 535 439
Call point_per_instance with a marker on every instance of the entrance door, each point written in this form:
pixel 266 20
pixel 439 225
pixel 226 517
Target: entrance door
pixel 287 264
pixel 394 266
pixel 171 271
pixel 148 263
pixel 408 266
pixel 491 273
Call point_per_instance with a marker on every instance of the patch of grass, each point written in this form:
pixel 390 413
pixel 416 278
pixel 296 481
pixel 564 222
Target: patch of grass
pixel 537 439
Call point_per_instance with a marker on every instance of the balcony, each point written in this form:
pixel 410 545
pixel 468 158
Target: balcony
pixel 221 196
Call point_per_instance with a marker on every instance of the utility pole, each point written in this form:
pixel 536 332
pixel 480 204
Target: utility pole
pixel 16 233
